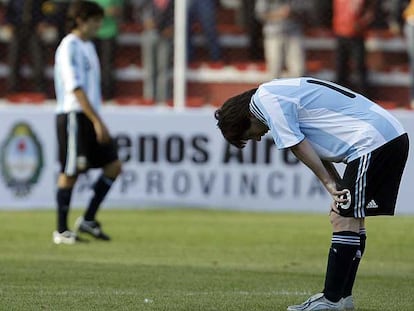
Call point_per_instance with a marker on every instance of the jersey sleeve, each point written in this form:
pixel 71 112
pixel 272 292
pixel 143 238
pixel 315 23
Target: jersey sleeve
pixel 281 115
pixel 71 67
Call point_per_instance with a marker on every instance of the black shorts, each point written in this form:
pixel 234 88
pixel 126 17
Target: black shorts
pixel 78 148
pixel 374 179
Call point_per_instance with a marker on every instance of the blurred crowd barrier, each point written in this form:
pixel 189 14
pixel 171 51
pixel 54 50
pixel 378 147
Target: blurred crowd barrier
pixel 225 50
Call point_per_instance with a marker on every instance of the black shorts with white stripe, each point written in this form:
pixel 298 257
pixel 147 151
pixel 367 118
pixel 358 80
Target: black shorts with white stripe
pixel 79 149
pixel 374 180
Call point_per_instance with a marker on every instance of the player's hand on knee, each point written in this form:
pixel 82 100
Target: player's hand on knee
pixel 342 200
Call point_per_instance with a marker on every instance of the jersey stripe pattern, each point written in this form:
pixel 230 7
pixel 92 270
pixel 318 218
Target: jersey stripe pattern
pixel 339 124
pixel 76 66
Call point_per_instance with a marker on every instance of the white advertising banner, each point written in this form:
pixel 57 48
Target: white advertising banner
pixel 171 158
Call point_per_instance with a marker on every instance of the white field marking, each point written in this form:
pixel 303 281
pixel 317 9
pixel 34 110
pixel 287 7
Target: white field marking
pixel 247 293
pixel 131 292
pixel 127 292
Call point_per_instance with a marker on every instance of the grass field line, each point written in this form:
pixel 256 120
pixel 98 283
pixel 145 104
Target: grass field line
pixel 253 293
pixel 131 292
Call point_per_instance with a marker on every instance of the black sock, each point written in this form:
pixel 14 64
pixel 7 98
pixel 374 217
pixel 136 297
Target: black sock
pixel 101 188
pixel 355 264
pixel 341 254
pixel 63 197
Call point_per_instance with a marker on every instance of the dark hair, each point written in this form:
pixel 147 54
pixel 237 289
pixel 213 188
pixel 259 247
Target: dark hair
pixel 234 118
pixel 83 10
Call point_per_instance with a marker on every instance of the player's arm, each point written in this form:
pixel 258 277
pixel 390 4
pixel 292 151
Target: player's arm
pixel 332 171
pixel 101 130
pixel 306 154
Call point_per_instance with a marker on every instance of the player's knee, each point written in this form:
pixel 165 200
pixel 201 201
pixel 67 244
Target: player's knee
pixel 65 181
pixel 340 223
pixel 113 169
pixel 117 168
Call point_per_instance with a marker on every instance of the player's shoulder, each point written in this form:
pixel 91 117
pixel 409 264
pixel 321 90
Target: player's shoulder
pixel 283 82
pixel 70 40
pixel 281 86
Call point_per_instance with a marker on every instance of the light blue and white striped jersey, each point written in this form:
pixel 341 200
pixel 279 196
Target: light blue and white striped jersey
pixel 76 65
pixel 339 124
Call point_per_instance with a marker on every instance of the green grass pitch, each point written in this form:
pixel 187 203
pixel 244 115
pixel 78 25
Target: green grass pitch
pixel 186 259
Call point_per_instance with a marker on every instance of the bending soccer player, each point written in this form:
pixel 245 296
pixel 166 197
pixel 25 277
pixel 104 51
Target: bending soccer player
pixel 322 123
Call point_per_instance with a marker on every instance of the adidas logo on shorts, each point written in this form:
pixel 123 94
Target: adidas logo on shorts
pixel 372 204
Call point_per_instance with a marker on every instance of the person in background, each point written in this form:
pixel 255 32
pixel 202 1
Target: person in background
pixel 323 123
pixel 106 43
pixel 83 139
pixel 157 48
pixel 402 12
pixel 204 13
pixel 27 24
pixel 322 13
pixel 283 36
pixel 351 20
pixel 253 27
pixel 394 14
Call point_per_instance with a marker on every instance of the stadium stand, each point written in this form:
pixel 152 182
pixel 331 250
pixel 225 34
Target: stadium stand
pixel 211 82
pixel 215 81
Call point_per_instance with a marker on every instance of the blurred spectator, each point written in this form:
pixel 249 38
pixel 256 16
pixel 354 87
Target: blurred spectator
pixel 395 10
pixel 157 48
pixel 28 26
pixel 106 43
pixel 351 20
pixel 403 12
pixel 253 26
pixel 381 14
pixel 203 12
pixel 322 13
pixel 283 36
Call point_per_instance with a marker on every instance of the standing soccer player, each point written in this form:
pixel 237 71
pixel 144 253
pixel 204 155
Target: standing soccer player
pixel 321 123
pixel 83 138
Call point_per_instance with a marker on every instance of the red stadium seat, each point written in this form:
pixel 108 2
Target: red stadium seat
pixel 133 101
pixel 193 101
pixel 26 98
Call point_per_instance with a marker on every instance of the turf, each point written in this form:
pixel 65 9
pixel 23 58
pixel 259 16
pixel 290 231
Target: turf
pixel 195 260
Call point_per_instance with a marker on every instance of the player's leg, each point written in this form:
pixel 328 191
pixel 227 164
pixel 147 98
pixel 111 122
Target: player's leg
pixel 63 197
pixel 347 294
pixel 66 128
pixel 88 223
pixel 373 181
pixel 380 190
pixel 102 187
pixel 345 243
pixel 344 249
pixel 344 246
pixel 103 156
